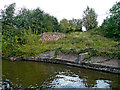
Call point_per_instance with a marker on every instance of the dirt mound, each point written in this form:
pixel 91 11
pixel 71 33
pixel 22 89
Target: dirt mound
pixel 51 37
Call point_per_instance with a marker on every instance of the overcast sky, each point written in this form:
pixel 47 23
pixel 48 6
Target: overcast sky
pixel 65 8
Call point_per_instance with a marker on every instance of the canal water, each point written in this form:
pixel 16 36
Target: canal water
pixel 28 74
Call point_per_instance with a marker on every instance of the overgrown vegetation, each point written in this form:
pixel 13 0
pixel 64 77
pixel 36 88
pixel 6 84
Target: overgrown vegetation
pixel 111 25
pixel 75 42
pixel 21 31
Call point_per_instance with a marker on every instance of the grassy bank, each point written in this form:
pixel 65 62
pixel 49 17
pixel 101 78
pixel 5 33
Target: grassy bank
pixel 75 42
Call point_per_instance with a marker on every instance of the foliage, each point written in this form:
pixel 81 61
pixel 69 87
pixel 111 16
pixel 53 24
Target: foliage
pixel 111 25
pixel 64 25
pixel 37 20
pixel 8 15
pixel 71 25
pixel 75 25
pixel 11 40
pixel 25 18
pixel 89 18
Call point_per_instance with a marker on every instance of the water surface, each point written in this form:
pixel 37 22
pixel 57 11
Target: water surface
pixel 28 74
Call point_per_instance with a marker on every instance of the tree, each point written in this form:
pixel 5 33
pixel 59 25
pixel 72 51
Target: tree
pixel 36 19
pixel 64 25
pixel 111 24
pixel 75 24
pixel 8 21
pixel 71 25
pixel 8 15
pixel 89 18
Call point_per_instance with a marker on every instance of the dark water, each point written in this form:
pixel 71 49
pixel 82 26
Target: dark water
pixel 26 74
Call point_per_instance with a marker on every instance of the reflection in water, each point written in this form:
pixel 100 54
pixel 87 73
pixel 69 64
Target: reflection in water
pixel 102 83
pixel 64 81
pixel 36 74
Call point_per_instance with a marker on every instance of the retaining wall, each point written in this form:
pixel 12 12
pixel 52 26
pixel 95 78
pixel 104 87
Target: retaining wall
pixel 70 63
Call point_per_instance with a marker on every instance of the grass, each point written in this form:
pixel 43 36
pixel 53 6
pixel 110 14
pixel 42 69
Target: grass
pixel 75 42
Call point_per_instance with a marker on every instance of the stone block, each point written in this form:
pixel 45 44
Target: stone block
pixel 82 56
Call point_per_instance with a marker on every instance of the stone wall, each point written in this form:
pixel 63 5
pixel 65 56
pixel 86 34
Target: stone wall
pixel 75 64
pixel 51 37
pixel 95 63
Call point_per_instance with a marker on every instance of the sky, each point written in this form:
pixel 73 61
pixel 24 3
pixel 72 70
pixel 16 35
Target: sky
pixel 65 8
